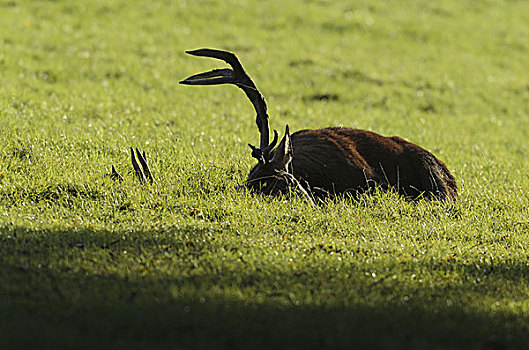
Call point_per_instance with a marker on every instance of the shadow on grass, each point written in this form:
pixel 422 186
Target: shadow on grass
pixel 45 305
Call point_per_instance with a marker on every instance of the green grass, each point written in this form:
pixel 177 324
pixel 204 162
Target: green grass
pixel 192 262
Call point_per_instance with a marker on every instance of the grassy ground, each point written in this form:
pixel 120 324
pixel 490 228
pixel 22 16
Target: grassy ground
pixel 193 263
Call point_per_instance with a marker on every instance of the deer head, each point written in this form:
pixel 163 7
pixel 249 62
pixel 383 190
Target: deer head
pixel 271 175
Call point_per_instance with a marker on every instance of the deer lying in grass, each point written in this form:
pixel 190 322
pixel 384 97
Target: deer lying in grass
pixel 330 161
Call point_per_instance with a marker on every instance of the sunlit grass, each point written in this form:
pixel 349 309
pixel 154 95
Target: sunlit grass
pixel 193 261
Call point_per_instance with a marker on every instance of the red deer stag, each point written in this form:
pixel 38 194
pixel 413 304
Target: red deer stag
pixel 325 162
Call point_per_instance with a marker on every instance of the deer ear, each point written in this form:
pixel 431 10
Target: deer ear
pixel 283 152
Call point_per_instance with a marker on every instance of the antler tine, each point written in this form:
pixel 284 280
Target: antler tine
pixel 271 146
pixel 137 169
pixel 114 175
pixel 226 56
pixel 257 153
pixel 238 77
pixel 143 161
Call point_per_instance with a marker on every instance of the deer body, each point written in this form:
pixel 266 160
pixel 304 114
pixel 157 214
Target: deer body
pixel 342 160
pixel 330 161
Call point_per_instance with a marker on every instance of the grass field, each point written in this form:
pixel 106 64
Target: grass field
pixel 191 262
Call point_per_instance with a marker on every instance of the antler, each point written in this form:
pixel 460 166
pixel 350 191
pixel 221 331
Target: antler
pixel 146 173
pixel 142 175
pixel 241 79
